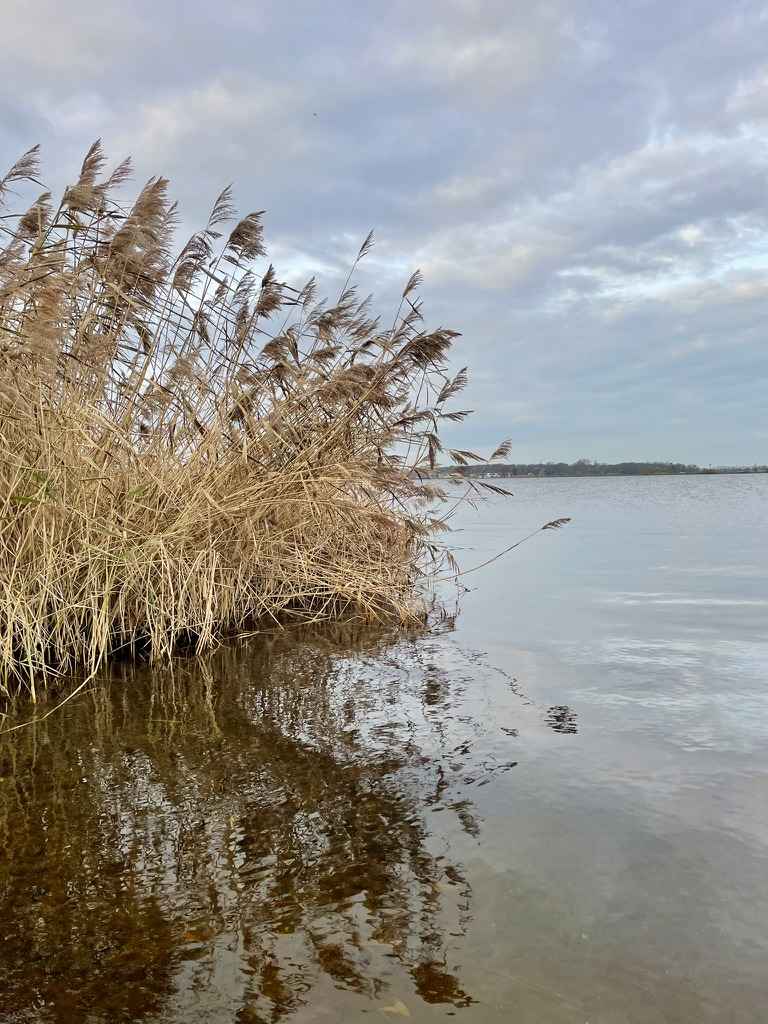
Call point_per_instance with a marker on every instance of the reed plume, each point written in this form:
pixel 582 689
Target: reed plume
pixel 189 445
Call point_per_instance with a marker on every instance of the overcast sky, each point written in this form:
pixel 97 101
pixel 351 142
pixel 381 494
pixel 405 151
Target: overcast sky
pixel 583 184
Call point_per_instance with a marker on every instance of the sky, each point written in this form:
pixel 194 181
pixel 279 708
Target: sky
pixel 583 183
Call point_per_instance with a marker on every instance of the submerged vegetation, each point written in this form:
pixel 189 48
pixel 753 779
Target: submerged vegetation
pixel 189 445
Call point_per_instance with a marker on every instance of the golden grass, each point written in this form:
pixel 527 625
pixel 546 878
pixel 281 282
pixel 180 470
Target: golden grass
pixel 189 445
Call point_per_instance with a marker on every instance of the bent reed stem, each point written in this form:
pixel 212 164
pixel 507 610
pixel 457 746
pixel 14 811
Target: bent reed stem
pixel 190 445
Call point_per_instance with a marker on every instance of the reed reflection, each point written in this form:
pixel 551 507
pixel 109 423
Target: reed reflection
pixel 233 834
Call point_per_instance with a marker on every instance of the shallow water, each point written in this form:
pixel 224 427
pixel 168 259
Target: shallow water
pixel 554 809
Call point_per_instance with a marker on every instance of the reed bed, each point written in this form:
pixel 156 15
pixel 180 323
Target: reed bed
pixel 189 445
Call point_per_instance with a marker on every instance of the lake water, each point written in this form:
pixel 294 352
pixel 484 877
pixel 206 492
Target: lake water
pixel 553 808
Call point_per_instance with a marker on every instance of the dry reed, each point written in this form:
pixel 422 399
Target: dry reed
pixel 189 445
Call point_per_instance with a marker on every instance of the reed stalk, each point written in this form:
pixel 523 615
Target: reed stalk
pixel 191 446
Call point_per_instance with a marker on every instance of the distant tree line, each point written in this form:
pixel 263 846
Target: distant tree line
pixel 586 467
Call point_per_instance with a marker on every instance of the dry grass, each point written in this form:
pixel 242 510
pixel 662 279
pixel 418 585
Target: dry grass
pixel 189 445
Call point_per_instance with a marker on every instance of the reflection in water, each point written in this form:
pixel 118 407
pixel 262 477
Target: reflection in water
pixel 290 834
pixel 561 718
pixel 213 842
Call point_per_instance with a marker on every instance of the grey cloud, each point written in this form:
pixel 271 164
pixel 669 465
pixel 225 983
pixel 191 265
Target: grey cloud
pixel 583 183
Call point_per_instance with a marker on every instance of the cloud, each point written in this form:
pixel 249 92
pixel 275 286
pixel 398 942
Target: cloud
pixel 748 105
pixel 230 107
pixel 583 184
pixel 56 44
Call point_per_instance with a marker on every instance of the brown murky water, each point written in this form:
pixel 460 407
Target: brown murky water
pixel 553 810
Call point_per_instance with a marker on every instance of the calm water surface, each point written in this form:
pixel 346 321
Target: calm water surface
pixel 554 809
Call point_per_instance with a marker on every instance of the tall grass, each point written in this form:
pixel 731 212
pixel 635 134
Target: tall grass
pixel 188 444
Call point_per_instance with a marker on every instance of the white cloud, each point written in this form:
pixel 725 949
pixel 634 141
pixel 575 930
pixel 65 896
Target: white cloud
pixel 583 185
pixel 54 43
pixel 749 101
pixel 233 111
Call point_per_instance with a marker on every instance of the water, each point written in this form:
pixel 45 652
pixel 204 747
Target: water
pixel 554 809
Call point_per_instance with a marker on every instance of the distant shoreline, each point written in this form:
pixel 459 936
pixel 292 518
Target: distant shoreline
pixel 585 468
